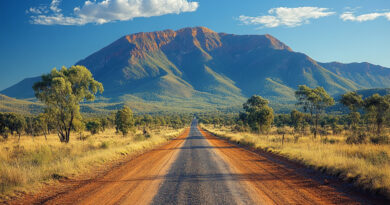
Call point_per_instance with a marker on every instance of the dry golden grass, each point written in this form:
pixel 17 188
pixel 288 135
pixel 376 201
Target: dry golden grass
pixel 25 165
pixel 368 165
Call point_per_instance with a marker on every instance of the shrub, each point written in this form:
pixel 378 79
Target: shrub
pixel 139 137
pixel 93 126
pixel 380 139
pixel 356 139
pixel 104 145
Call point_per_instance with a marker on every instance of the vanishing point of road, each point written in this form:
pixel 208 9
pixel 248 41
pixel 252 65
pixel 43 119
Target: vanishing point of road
pixel 199 168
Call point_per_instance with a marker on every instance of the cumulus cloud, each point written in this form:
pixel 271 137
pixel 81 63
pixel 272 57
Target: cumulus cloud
pixel 350 16
pixel 105 11
pixel 290 17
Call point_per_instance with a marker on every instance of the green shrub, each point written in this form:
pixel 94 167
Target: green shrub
pixel 356 139
pixel 380 139
pixel 104 145
pixel 93 127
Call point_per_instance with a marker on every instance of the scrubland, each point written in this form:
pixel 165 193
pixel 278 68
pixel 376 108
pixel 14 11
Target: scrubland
pixel 366 165
pixel 32 161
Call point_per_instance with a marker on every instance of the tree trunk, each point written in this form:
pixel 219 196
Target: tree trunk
pixel 378 131
pixel 316 127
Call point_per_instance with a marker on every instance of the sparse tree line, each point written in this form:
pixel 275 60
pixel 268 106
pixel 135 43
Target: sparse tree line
pixel 367 120
pixel 62 91
pixel 123 121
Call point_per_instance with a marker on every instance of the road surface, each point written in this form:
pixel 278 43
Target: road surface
pixel 198 168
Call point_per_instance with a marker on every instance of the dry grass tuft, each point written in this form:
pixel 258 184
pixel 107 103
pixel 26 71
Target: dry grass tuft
pixel 367 165
pixel 26 164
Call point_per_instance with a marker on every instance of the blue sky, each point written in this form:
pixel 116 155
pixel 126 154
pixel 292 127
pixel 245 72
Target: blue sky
pixel 37 35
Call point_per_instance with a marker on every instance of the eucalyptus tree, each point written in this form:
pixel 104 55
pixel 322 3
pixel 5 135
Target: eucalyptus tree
pixel 62 91
pixel 354 102
pixel 379 107
pixel 314 101
pixel 258 115
pixel 124 120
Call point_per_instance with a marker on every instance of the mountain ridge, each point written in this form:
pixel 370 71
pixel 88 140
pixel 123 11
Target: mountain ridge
pixel 218 69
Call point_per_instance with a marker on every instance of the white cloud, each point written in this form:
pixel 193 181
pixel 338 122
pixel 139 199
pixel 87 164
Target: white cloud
pixel 54 6
pixel 350 16
pixel 37 10
pixel 113 10
pixel 290 17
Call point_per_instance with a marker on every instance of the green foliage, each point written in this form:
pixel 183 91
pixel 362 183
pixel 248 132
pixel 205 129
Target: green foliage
pixel 352 100
pixel 313 101
pixel 357 138
pixel 104 145
pixel 379 108
pixel 124 120
pixel 93 126
pixel 298 121
pixel 383 139
pixel 10 123
pixel 258 115
pixel 62 91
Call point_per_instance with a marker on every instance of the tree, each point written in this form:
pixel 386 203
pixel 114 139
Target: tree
pixel 297 121
pixel 16 123
pixel 43 123
pixel 104 122
pixel 93 126
pixel 124 120
pixel 10 123
pixel 79 127
pixel 62 91
pixel 4 130
pixel 258 114
pixel 313 101
pixel 379 107
pixel 147 120
pixel 354 102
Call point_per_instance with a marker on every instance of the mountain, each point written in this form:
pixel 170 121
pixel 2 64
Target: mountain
pixel 199 68
pixel 8 104
pixel 365 74
pixel 369 92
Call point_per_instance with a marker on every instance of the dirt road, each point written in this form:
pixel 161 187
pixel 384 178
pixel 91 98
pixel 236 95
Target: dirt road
pixel 198 168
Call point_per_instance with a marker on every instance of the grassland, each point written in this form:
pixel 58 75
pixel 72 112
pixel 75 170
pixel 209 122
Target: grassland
pixel 366 165
pixel 25 165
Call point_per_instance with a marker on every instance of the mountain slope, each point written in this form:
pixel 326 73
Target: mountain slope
pixel 21 90
pixel 206 69
pixel 365 74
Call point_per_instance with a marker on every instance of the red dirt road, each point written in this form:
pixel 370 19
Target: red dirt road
pixel 272 183
pixel 199 168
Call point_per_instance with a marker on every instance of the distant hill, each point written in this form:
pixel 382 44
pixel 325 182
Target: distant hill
pixel 364 74
pixel 368 92
pixel 8 104
pixel 197 68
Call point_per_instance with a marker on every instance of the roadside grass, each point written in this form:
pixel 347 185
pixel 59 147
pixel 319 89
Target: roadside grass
pixel 26 165
pixel 366 165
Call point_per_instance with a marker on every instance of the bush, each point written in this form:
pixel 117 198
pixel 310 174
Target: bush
pixel 380 139
pixel 296 138
pixel 329 141
pixel 104 145
pixel 357 139
pixel 239 128
pixel 93 127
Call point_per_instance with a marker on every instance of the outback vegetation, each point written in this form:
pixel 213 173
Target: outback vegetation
pixel 61 142
pixel 352 144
